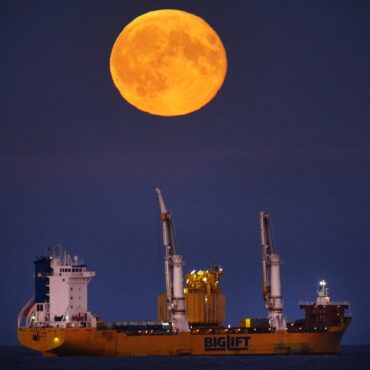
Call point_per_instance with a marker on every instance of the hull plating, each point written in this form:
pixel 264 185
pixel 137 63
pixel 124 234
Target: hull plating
pixel 93 342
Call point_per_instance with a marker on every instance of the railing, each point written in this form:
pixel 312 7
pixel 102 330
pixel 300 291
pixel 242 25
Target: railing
pixel 331 303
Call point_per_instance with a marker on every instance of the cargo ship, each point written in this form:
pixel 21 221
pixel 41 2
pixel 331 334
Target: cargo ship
pixel 56 320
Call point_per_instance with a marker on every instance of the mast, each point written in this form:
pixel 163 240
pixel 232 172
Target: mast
pixel 271 275
pixel 323 297
pixel 173 270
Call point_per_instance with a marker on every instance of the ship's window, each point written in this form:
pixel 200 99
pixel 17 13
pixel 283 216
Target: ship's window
pixel 71 306
pixel 71 296
pixel 63 279
pixel 71 288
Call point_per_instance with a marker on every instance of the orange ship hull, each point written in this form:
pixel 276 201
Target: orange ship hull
pixel 98 342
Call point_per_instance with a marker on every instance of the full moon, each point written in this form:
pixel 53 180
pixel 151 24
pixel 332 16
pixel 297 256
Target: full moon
pixel 168 62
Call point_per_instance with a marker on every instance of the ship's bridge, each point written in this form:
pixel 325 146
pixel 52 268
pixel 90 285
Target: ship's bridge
pixel 60 292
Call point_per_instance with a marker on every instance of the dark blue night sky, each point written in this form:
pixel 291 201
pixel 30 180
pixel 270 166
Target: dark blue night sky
pixel 288 133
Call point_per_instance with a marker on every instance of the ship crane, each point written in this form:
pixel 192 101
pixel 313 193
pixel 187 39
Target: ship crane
pixel 173 271
pixel 271 276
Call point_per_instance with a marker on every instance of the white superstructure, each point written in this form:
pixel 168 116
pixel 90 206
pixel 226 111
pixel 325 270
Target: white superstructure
pixel 60 292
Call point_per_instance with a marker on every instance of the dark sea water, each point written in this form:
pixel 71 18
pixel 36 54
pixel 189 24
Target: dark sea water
pixel 351 358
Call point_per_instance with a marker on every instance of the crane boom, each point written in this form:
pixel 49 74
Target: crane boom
pixel 173 270
pixel 271 275
pixel 166 219
pixel 267 250
pixel 168 228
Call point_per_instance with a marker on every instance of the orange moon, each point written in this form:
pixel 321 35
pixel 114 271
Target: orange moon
pixel 168 62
